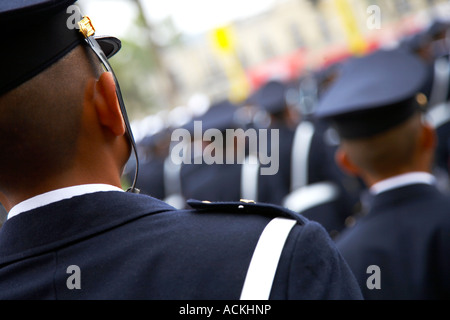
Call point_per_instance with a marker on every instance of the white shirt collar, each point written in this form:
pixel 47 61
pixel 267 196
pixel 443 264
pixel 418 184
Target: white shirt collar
pixel 58 195
pixel 402 180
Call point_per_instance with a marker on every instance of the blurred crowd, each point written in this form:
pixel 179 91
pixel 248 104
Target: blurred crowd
pixel 308 180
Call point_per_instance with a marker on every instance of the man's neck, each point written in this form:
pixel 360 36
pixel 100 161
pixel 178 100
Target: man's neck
pixel 58 195
pixel 401 180
pixel 11 198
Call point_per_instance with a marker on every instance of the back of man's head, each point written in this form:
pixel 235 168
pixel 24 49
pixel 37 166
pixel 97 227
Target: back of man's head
pixel 40 121
pixel 60 112
pixel 405 148
pixel 376 106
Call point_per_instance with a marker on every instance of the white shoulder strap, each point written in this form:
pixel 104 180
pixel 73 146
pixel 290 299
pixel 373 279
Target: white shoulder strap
pixel 264 263
pixel 249 178
pixel 172 184
pixel 439 115
pixel 311 196
pixel 440 82
pixel 300 154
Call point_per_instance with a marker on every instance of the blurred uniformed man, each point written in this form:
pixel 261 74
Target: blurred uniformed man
pixel 319 189
pixel 271 98
pixel 224 181
pixel 399 250
pixel 73 233
pixel 154 150
pixel 217 181
pixel 3 215
pixel 432 46
pixel 439 96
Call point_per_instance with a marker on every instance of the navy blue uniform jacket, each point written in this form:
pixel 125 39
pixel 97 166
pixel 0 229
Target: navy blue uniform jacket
pixel 407 235
pixel 130 246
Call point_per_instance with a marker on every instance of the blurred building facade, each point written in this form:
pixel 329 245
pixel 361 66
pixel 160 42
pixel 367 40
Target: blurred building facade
pixel 291 37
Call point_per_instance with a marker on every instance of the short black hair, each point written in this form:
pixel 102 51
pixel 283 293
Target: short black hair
pixel 40 121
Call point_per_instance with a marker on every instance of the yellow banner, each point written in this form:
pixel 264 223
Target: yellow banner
pixel 223 41
pixel 356 40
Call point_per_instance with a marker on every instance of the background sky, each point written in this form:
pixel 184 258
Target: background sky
pixel 190 16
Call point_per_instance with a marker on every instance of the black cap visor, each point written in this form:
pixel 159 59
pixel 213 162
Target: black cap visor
pixel 110 45
pixel 33 47
pixel 368 123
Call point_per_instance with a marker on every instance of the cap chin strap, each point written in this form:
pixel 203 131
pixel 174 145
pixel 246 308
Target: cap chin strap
pixel 88 31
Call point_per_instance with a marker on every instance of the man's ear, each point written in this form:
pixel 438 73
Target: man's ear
pixel 345 163
pixel 429 137
pixel 107 106
pixel 5 202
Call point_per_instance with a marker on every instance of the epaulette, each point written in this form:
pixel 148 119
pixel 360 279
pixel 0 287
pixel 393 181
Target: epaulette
pixel 246 206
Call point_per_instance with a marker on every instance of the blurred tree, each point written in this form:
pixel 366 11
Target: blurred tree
pixel 133 66
pixel 315 3
pixel 146 84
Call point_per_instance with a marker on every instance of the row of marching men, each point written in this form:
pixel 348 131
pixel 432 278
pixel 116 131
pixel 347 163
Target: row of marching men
pixel 301 173
pixel 307 179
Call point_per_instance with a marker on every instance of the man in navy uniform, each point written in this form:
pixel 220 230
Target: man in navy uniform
pixel 403 242
pixel 439 94
pixel 432 47
pixel 319 189
pixel 223 181
pixel 72 233
pixel 271 98
pixel 212 181
pixel 2 215
pixel 154 150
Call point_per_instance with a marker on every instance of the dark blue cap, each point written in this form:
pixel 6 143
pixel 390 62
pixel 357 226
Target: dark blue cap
pixel 220 115
pixel 22 12
pixel 150 141
pixel 272 96
pixel 36 34
pixel 415 42
pixel 425 37
pixel 437 27
pixel 374 93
